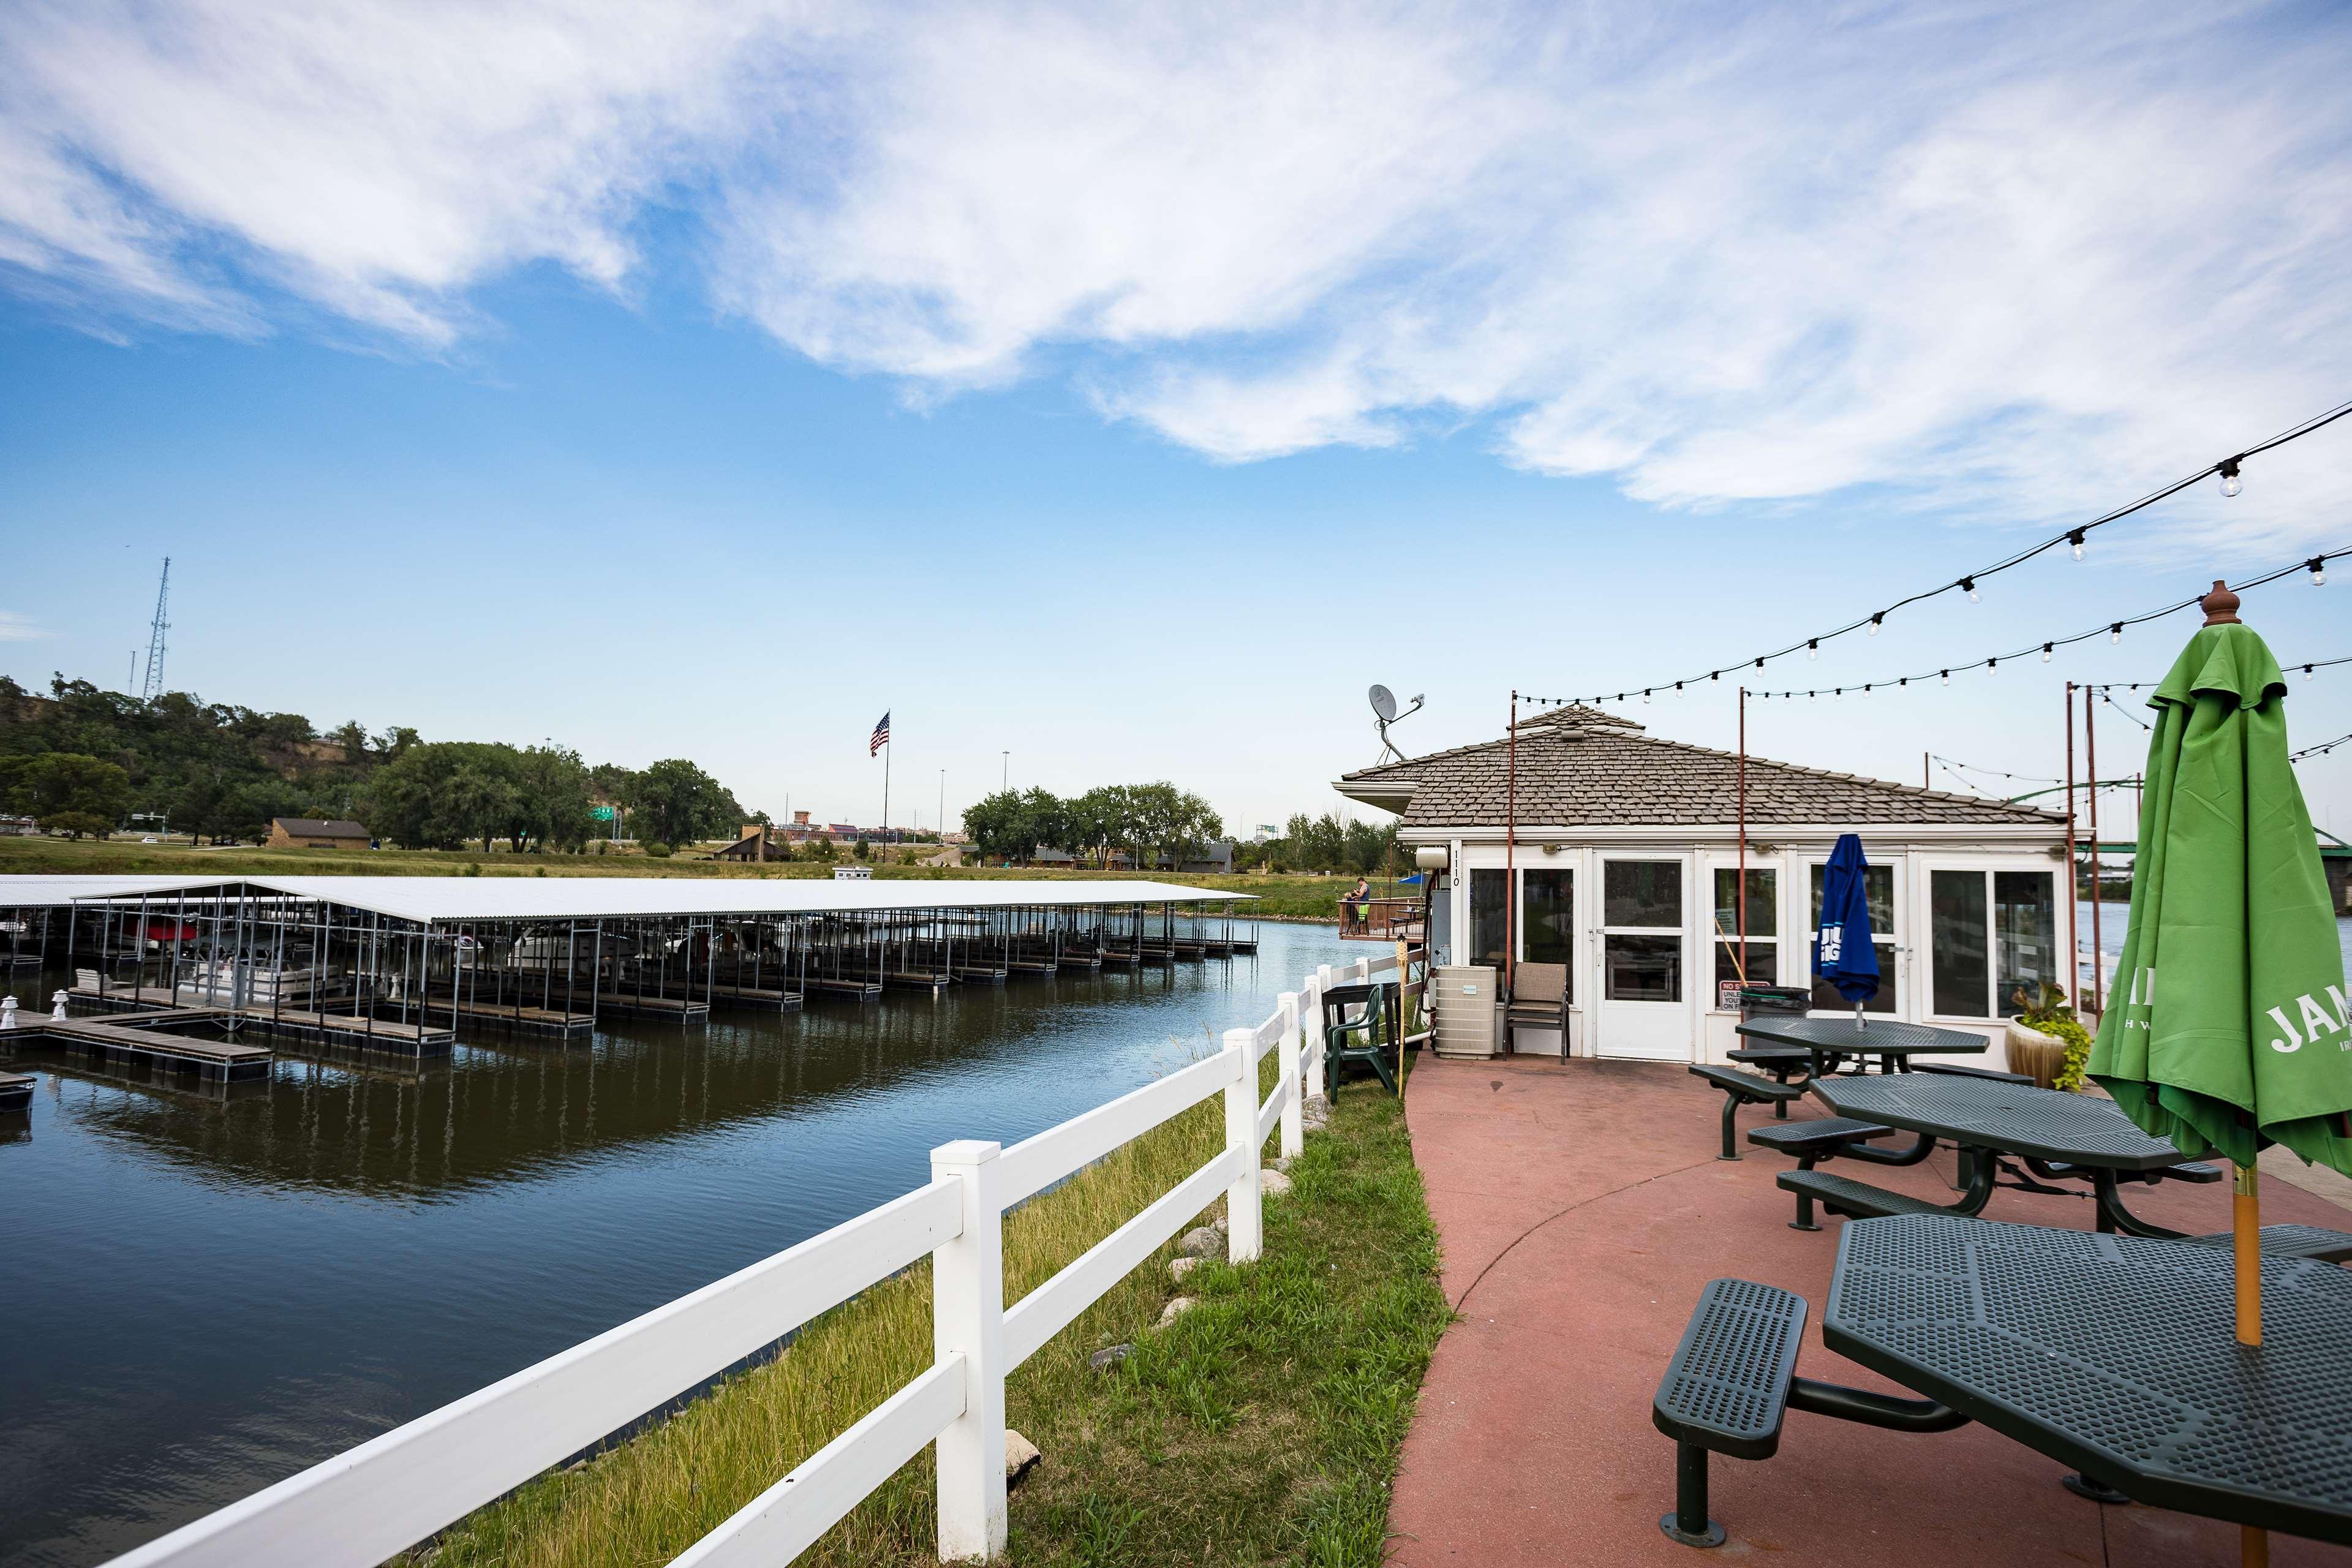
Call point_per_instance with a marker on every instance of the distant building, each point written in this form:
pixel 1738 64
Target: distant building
pixel 316 833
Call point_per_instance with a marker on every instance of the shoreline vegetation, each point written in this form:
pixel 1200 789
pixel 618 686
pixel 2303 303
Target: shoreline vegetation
pixel 1261 1426
pixel 1281 896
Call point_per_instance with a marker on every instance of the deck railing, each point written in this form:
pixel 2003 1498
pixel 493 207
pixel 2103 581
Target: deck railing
pixel 1383 920
pixel 398 1489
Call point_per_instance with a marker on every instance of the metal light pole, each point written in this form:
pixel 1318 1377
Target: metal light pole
pixel 1005 782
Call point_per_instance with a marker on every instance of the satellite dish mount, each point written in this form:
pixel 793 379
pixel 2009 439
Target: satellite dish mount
pixel 1384 713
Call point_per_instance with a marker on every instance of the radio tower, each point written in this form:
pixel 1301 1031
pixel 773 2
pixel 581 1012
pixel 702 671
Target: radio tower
pixel 153 686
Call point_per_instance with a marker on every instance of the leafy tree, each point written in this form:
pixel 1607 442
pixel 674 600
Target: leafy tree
pixel 678 802
pixel 56 784
pixel 551 800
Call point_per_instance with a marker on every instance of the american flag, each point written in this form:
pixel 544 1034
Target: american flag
pixel 881 736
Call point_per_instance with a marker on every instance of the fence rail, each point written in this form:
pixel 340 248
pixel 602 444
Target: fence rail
pixel 396 1490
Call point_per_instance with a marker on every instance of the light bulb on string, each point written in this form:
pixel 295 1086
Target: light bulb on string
pixel 1874 620
pixel 2306 672
pixel 2318 565
pixel 1812 648
pixel 1970 585
pixel 2075 538
pixel 1645 696
pixel 1947 677
pixel 1992 664
pixel 2230 481
pixel 2046 653
pixel 2116 632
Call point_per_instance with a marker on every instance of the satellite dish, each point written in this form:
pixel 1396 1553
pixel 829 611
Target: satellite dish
pixel 1384 713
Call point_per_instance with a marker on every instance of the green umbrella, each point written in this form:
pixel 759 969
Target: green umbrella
pixel 2231 1029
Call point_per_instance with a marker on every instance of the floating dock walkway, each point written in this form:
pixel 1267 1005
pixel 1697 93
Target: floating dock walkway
pixel 115 1042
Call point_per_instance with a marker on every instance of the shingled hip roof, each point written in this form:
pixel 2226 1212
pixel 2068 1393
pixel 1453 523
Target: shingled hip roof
pixel 1577 767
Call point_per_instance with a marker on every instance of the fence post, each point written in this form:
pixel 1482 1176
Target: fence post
pixel 1292 1063
pixel 1243 1230
pixel 1313 1024
pixel 968 1319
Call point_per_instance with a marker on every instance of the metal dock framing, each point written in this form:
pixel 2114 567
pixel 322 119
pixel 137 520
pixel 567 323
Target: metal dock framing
pixel 406 965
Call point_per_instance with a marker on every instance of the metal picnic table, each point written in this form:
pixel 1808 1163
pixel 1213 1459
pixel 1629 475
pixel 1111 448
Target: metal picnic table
pixel 2056 1135
pixel 2116 1355
pixel 1833 1039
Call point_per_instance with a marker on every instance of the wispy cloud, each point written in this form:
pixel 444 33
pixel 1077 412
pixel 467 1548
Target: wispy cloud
pixel 2017 255
pixel 15 627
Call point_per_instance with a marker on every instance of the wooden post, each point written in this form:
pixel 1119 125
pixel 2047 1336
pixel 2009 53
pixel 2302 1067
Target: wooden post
pixel 1243 1229
pixel 1510 842
pixel 2073 897
pixel 1405 973
pixel 968 1319
pixel 2098 947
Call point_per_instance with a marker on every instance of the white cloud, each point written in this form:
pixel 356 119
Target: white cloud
pixel 15 627
pixel 2023 256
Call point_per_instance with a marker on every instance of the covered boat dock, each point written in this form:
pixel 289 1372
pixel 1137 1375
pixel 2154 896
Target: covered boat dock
pixel 406 964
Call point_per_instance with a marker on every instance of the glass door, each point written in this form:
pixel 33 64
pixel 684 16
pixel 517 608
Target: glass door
pixel 1878 891
pixel 1644 1008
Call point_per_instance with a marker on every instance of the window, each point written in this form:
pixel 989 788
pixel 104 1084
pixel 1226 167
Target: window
pixel 1958 950
pixel 1487 884
pixel 2025 930
pixel 1878 892
pixel 1643 963
pixel 1548 919
pixel 1763 925
pixel 1995 934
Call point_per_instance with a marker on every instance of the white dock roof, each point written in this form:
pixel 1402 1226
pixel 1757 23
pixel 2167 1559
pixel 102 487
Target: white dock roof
pixel 56 892
pixel 447 899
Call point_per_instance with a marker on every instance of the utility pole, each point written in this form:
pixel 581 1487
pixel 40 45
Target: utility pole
pixel 153 687
pixel 1005 782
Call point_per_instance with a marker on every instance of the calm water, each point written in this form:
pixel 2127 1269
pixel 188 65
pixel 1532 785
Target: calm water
pixel 200 1296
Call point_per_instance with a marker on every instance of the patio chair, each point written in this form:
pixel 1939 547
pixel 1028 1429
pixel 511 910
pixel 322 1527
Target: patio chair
pixel 1352 1017
pixel 1539 1001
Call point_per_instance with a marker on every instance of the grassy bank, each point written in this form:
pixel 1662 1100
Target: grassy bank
pixel 1261 1426
pixel 1289 897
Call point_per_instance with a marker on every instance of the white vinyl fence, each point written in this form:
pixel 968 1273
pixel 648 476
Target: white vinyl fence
pixel 364 1505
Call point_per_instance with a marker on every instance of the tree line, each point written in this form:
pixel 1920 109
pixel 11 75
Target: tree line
pixel 1324 844
pixel 86 762
pixel 1143 820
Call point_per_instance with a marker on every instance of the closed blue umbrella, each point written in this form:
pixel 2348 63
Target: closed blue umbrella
pixel 1843 952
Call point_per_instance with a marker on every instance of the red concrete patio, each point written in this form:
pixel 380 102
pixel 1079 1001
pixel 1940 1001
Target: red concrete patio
pixel 1582 1209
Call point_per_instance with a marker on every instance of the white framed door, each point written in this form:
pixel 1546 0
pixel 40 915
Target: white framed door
pixel 1642 998
pixel 1886 886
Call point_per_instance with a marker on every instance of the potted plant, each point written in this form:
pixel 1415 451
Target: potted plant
pixel 2046 1040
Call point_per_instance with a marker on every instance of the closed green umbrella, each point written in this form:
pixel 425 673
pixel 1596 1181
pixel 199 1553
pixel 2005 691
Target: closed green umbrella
pixel 2231 1028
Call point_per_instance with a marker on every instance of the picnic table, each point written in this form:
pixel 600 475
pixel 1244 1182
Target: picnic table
pixel 1832 1041
pixel 2117 1355
pixel 2057 1136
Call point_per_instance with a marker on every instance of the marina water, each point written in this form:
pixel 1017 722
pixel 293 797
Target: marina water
pixel 204 1294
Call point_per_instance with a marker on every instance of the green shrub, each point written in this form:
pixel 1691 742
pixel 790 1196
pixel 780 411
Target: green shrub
pixel 659 850
pixel 2051 1013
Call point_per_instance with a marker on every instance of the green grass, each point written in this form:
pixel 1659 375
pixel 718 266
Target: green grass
pixel 1285 896
pixel 1263 1427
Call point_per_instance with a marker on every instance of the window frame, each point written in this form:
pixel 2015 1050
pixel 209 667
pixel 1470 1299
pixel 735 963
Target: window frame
pixel 1989 867
pixel 1899 864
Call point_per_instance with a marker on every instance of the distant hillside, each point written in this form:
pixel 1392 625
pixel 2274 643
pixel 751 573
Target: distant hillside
pixel 81 760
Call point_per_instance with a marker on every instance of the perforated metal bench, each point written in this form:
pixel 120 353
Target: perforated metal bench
pixel 1731 1381
pixel 1821 1138
pixel 1843 1195
pixel 1745 1088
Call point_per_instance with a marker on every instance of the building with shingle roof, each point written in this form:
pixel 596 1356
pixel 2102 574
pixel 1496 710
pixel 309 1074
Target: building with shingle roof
pixel 1626 849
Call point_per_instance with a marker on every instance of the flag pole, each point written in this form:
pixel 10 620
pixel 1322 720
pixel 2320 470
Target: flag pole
pixel 886 789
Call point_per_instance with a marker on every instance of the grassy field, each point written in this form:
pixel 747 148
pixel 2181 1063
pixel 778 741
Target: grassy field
pixel 1314 897
pixel 1263 1427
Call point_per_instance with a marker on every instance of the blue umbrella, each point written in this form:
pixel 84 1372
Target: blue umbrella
pixel 1843 952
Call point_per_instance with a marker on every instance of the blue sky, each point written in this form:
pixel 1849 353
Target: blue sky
pixel 1127 390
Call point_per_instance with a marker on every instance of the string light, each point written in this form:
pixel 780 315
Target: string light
pixel 1947 677
pixel 2317 567
pixel 2230 481
pixel 2116 632
pixel 1813 649
pixel 2073 537
pixel 2046 653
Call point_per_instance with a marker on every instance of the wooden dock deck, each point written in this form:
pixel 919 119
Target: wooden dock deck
pixel 527 1020
pixel 151 1007
pixel 15 1090
pixel 651 1006
pixel 755 995
pixel 229 1060
pixel 856 990
pixel 985 973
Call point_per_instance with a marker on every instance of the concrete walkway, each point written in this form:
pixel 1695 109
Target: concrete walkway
pixel 1582 1209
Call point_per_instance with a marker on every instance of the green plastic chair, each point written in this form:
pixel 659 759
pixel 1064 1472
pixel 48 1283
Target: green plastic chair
pixel 1352 1015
